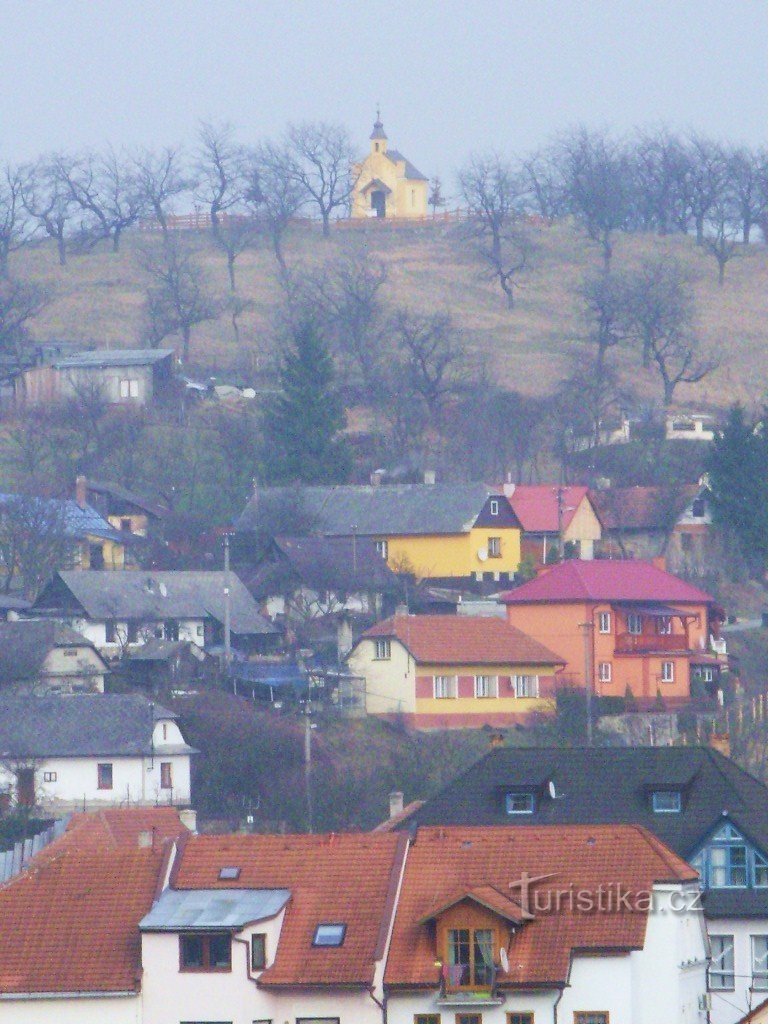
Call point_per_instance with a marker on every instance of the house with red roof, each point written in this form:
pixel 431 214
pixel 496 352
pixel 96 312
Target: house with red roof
pixel 524 925
pixel 130 919
pixel 550 514
pixel 449 671
pixel 622 627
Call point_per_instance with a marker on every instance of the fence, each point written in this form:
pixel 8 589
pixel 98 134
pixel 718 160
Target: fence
pixel 16 859
pixel 200 220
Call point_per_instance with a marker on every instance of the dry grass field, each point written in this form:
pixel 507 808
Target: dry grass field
pixel 98 301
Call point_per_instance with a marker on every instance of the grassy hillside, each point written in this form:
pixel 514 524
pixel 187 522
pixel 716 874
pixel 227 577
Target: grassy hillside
pixel 99 296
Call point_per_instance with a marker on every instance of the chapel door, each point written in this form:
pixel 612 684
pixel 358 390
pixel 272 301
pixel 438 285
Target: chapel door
pixel 379 203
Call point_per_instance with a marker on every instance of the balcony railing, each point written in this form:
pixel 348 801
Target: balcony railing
pixel 644 643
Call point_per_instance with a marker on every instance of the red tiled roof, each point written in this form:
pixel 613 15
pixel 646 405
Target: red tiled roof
pixel 332 878
pixel 443 860
pixel 535 505
pixel 463 640
pixel 640 508
pixel 69 922
pixel 606 580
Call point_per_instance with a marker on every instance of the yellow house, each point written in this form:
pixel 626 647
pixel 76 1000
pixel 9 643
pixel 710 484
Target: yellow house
pixel 387 185
pixel 454 671
pixel 430 530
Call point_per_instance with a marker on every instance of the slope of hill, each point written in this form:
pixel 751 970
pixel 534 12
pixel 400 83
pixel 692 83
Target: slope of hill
pixel 99 298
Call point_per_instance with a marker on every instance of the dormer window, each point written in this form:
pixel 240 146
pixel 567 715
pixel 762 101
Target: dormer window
pixel 728 861
pixel 520 803
pixel 667 801
pixel 329 935
pixel 469 963
pixel 494 507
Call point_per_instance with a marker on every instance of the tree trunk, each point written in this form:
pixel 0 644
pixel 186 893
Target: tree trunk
pixel 231 270
pixel 721 272
pixel 186 334
pixel 116 240
pixel 747 231
pixel 326 223
pixel 699 229
pixel 61 246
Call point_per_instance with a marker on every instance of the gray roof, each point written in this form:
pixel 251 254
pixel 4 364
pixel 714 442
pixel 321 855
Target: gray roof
pixel 79 725
pixel 153 596
pixel 73 520
pixel 411 172
pixel 111 490
pixel 100 358
pixel 25 644
pixel 213 908
pixel 402 509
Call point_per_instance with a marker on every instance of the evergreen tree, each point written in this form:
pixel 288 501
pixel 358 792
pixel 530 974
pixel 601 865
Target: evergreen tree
pixel 303 422
pixel 738 478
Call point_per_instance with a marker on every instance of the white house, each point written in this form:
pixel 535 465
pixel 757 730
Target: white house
pixel 65 751
pixel 42 655
pixel 116 609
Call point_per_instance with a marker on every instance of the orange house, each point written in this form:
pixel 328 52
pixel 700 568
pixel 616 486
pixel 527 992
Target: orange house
pixel 622 626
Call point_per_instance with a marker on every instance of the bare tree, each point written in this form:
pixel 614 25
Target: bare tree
pixel 321 159
pixel 105 189
pixel 436 200
pixel 177 298
pixel 222 185
pixel 16 226
pixel 706 179
pixel 598 178
pixel 48 202
pixel 660 166
pixel 434 352
pixel 543 174
pixel 35 541
pixel 494 194
pixel 20 303
pixel 746 171
pixel 679 359
pixel 347 296
pixel 721 237
pixel 273 194
pixel 160 177
pixel 605 301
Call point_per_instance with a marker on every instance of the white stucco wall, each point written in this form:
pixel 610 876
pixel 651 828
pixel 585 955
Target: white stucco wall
pixel 135 780
pixel 98 1010
pixel 729 1007
pixel 390 685
pixel 170 995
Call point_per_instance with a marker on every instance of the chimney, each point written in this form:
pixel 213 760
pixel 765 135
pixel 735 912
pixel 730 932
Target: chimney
pixel 401 609
pixel 377 476
pixel 509 489
pixel 145 839
pixel 81 491
pixel 429 477
pixel 395 803
pixel 188 818
pixel 720 741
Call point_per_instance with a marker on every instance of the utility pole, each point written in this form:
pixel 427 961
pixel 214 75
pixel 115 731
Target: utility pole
pixel 308 761
pixel 227 612
pixel 354 549
pixel 587 629
pixel 560 544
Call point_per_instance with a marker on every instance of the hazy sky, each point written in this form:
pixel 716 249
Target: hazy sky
pixel 452 76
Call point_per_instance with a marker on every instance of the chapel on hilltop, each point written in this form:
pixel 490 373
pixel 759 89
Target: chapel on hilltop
pixel 387 185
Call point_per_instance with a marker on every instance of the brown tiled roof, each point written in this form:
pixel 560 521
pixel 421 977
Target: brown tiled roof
pixel 69 922
pixel 340 879
pixel 464 640
pixel 640 508
pixel 445 860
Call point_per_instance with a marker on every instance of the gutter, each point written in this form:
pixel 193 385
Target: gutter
pixel 9 996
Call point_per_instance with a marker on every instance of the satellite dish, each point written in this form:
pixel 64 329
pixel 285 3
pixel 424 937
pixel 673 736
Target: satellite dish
pixel 504 959
pixel 482 554
pixel 163 590
pixel 552 790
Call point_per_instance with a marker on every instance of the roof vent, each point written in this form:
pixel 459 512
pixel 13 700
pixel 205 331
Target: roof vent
pixel 145 839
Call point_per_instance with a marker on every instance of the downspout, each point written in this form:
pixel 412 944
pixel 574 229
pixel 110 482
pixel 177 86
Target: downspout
pixel 246 943
pixel 555 1006
pixel 382 1004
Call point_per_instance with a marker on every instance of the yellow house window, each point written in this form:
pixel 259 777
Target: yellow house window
pixel 486 686
pixel 382 546
pixel 494 547
pixel 526 686
pixel 445 687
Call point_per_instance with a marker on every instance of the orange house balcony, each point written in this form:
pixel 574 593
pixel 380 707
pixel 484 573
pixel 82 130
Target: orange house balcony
pixel 652 643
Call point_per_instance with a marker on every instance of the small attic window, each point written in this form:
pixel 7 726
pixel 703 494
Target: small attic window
pixel 494 507
pixel 329 935
pixel 229 874
pixel 666 801
pixel 520 803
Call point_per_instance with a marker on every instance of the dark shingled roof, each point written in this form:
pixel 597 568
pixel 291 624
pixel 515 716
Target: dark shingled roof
pixel 25 644
pixel 387 510
pixel 100 358
pixel 110 490
pixel 81 725
pixel 337 563
pixel 411 172
pixel 153 596
pixel 611 786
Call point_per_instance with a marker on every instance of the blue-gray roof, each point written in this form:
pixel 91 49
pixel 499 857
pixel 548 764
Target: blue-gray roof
pixel 114 357
pixel 191 909
pixel 75 521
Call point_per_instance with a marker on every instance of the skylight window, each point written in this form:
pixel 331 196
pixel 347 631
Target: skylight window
pixel 667 801
pixel 329 935
pixel 229 874
pixel 520 803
